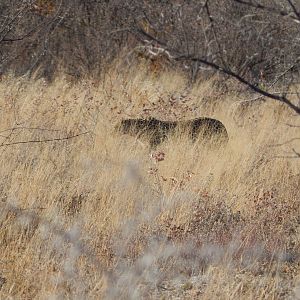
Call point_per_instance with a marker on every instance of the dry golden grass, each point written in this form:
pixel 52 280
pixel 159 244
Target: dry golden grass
pixel 96 216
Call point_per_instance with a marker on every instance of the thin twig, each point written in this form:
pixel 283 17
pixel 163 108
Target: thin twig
pixel 271 9
pixel 283 156
pixel 294 9
pixel 292 125
pixel 259 98
pixel 28 128
pixel 46 140
pixel 297 153
pixel 284 143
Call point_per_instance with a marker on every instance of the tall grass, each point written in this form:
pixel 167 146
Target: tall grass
pixel 101 215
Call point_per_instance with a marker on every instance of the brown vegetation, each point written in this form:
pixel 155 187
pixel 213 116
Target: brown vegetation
pixel 94 216
pixel 43 37
pixel 87 212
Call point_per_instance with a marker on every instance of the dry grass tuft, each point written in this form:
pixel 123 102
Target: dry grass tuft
pixel 101 216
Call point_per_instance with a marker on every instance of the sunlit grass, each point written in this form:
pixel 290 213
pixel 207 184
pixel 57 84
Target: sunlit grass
pixel 103 215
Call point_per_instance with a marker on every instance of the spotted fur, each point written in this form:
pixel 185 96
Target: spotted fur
pixel 157 130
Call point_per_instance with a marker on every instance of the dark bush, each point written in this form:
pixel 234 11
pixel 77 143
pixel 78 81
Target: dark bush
pixel 82 37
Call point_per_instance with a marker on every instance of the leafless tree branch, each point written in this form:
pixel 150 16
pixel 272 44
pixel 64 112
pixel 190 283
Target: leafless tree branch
pixel 183 57
pixel 46 140
pixel 285 143
pixel 272 9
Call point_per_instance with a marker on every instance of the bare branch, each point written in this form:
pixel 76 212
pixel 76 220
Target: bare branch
pixel 183 57
pixel 285 143
pixel 272 9
pixel 280 98
pixel 296 153
pixel 293 126
pixel 211 20
pixel 46 140
pixel 29 128
pixel 294 8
